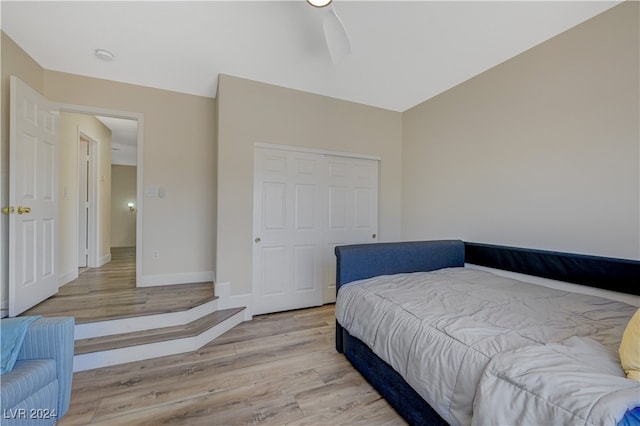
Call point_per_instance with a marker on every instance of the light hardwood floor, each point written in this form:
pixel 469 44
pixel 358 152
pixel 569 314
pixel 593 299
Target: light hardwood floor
pixel 278 369
pixel 274 370
pixel 110 292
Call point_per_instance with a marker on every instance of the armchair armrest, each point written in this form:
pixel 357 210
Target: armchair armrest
pixel 53 338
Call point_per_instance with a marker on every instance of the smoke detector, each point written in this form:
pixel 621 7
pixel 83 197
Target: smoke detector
pixel 104 55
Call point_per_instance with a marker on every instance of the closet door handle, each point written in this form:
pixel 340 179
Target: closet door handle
pixel 257 240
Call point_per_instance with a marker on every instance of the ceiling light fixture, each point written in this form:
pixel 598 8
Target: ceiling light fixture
pixel 104 55
pixel 319 3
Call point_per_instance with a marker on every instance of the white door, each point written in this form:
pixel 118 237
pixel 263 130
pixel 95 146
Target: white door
pixel 83 201
pixel 352 210
pixel 288 224
pixel 304 205
pixel 33 198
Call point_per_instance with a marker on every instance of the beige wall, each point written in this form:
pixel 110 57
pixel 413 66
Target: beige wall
pixel 71 125
pixel 14 61
pixel 123 220
pixel 540 151
pixel 250 112
pixel 179 156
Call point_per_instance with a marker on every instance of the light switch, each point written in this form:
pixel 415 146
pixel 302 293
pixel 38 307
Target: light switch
pixel 151 191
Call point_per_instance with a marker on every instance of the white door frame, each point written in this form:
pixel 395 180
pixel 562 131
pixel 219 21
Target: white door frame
pixel 93 258
pixel 82 180
pixel 81 109
pixel 315 151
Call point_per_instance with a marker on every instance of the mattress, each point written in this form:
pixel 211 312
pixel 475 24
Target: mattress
pixel 457 335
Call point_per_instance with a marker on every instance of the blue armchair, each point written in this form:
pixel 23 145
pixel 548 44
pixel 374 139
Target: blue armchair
pixel 37 390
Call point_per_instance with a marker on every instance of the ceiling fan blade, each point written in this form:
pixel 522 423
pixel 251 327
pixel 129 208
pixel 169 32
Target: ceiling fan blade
pixel 336 36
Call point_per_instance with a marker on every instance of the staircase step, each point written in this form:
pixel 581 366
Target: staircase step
pixel 110 298
pixel 144 337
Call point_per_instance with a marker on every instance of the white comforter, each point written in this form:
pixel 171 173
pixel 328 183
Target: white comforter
pixel 440 331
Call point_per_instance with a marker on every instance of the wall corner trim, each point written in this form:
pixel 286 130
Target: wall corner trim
pixel 227 300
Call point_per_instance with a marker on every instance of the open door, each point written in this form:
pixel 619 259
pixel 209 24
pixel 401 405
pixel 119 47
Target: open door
pixel 33 198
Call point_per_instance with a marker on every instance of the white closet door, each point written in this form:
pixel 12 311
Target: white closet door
pixel 352 210
pixel 288 228
pixel 306 203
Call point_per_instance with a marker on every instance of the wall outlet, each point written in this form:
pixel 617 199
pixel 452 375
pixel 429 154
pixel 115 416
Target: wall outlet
pixel 156 254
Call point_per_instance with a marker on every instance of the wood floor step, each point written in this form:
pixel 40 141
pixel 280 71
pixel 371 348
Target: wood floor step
pixel 116 341
pixel 93 298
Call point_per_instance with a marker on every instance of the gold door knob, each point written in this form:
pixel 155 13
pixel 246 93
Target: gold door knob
pixel 374 236
pixel 8 210
pixel 23 210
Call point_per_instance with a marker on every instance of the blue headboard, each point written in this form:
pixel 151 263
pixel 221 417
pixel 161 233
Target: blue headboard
pixel 360 261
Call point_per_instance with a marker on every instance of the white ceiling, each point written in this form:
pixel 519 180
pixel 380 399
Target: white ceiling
pixel 403 52
pixel 124 140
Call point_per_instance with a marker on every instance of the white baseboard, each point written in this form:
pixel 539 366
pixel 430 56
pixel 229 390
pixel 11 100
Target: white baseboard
pixel 329 295
pixel 168 279
pixel 227 300
pixel 67 278
pixel 104 260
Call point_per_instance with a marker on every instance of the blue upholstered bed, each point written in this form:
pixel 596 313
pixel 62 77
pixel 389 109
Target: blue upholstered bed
pixel 408 312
